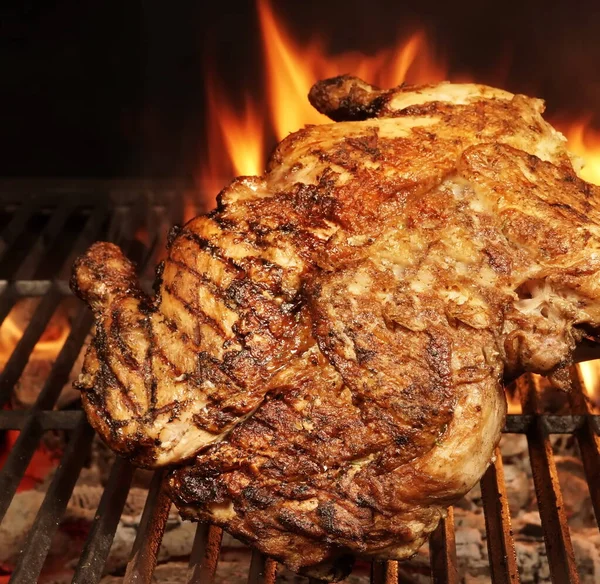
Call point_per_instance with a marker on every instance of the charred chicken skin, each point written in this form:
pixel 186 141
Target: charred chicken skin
pixel 322 363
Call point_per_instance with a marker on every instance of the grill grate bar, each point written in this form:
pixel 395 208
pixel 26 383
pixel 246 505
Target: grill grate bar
pixel 19 357
pixel 152 526
pixel 31 264
pixel 442 552
pixel 15 227
pixel 205 554
pixel 51 420
pixel 559 548
pixel 589 442
pixel 15 466
pixel 567 424
pixel 501 547
pixel 263 570
pixel 33 554
pixel 44 241
pixel 87 235
pixel 97 546
pixel 384 573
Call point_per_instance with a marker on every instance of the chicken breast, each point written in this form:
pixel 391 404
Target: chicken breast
pixel 326 350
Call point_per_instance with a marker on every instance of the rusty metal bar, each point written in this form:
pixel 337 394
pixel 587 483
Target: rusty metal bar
pixel 384 572
pixel 205 554
pixel 49 420
pixel 32 557
pixel 263 570
pixel 99 540
pixel 588 440
pixel 442 551
pixel 501 546
pixel 152 526
pixel 559 547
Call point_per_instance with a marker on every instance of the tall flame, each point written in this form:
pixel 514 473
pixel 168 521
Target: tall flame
pixel 237 137
pixel 293 69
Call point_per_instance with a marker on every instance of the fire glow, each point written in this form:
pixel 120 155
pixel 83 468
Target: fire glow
pixel 46 349
pixel 240 138
pixel 50 342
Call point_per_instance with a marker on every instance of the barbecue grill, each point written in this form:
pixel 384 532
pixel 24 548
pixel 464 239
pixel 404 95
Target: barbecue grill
pixel 43 227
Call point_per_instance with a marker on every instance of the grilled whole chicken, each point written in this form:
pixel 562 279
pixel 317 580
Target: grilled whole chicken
pixel 324 356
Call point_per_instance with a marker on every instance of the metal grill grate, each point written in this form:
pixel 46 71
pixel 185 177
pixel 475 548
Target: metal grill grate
pixel 36 262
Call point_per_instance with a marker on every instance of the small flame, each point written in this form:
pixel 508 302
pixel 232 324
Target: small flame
pixel 513 401
pixel 590 377
pixel 514 405
pixel 49 344
pixel 584 141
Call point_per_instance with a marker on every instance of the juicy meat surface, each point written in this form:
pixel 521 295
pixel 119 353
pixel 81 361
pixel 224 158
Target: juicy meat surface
pixel 326 349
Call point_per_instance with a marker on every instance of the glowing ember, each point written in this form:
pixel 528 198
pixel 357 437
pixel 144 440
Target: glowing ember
pixel 42 462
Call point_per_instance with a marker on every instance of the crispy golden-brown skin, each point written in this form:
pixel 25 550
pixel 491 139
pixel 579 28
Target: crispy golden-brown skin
pixel 326 348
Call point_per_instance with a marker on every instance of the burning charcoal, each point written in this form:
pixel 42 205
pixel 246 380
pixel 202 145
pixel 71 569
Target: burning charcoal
pixel 533 566
pixel 586 545
pixel 578 505
pixel 529 524
pixel 512 445
pixel 17 522
pixel 469 544
pixel 518 487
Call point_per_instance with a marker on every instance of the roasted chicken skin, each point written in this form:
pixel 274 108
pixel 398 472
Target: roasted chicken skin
pixel 324 355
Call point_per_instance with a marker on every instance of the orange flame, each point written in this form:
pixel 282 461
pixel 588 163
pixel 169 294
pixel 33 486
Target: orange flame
pixel 236 141
pixel 49 344
pixel 292 70
pixel 237 135
pixel 237 138
pixel 589 372
pixel 47 348
pixel 584 141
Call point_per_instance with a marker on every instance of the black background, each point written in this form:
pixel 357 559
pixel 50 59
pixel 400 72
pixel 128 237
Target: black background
pixel 115 87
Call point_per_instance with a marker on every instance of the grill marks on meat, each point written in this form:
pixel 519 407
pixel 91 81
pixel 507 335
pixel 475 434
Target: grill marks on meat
pixel 165 379
pixel 325 350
